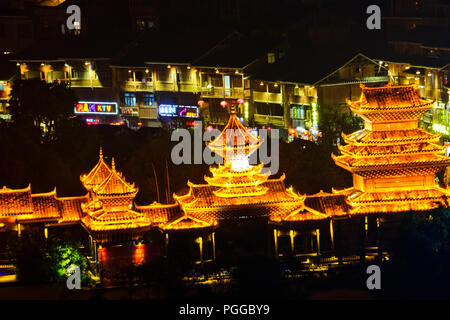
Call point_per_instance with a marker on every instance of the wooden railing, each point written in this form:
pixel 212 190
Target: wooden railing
pixel 220 92
pixel 137 86
pixel 295 99
pixel 267 97
pixel 269 120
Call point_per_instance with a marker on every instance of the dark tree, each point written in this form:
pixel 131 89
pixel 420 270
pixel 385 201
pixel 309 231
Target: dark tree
pixel 40 105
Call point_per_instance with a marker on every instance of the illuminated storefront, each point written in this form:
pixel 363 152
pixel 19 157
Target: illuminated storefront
pixel 170 110
pixel 96 112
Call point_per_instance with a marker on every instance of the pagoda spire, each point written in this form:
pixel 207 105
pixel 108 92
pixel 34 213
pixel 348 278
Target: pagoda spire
pixel 97 175
pixel 236 177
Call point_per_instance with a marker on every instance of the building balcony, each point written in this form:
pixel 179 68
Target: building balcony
pixel 220 92
pixel 267 97
pixel 263 119
pixel 137 86
pixel 85 83
pixel 295 99
pixel 176 86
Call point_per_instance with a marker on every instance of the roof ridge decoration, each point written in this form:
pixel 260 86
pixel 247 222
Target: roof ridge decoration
pixel 115 184
pixel 243 141
pixel 5 189
pixel 97 175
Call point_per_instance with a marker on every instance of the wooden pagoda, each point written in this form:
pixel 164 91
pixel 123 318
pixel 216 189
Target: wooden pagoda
pixel 393 162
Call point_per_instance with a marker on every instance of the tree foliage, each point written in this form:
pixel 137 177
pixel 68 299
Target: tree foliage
pixel 40 105
pixel 40 260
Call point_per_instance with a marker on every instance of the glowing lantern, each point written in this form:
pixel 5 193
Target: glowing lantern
pixel 223 103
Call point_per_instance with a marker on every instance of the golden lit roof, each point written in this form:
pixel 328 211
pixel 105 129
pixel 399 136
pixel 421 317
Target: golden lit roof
pixel 356 164
pixel 365 198
pixel 115 184
pixel 71 210
pixel 234 138
pixel 384 162
pixel 15 201
pixel 98 174
pixel 389 102
pixel 379 138
pixel 391 150
pixel 186 221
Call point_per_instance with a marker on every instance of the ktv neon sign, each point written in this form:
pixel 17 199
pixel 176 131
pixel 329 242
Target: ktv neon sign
pixel 171 110
pixel 86 107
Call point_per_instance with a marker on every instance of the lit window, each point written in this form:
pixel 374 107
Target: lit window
pixel 130 99
pixel 271 57
pixel 149 99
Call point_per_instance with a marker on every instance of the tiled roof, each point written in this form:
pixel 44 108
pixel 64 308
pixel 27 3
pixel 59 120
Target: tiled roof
pixel 97 175
pixel 390 97
pixel 158 213
pixel 234 136
pixel 329 204
pixel 398 172
pixel 365 198
pixel 115 184
pixel 402 102
pixel 45 207
pixel 202 196
pixel 366 137
pixel 404 149
pixel 184 221
pixel 375 163
pixel 71 208
pixel 15 201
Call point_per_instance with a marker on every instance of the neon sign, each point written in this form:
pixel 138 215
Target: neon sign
pixel 86 107
pixel 172 110
pixel 91 121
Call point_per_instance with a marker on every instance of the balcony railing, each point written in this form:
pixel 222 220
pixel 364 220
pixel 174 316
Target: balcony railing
pixel 268 97
pixel 220 92
pixel 137 86
pixel 294 99
pixel 269 120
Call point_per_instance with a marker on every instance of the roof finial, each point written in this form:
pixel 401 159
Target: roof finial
pixel 101 152
pixel 113 164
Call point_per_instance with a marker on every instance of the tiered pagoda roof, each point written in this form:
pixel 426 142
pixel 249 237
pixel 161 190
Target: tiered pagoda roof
pixel 238 190
pixel 111 202
pixel 393 161
pixel 390 103
pixel 234 139
pixel 97 175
